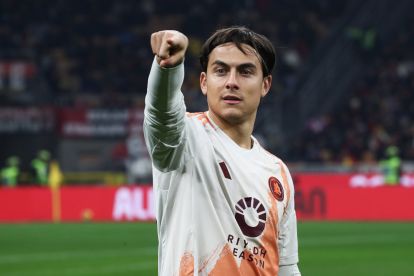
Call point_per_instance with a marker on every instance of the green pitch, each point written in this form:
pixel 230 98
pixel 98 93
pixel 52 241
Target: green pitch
pixel 89 249
pixel 78 249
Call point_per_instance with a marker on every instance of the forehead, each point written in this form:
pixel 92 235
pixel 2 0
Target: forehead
pixel 230 54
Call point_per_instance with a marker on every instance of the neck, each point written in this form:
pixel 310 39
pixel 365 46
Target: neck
pixel 239 132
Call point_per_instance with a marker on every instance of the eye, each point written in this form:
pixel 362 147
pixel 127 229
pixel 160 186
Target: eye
pixel 246 71
pixel 220 70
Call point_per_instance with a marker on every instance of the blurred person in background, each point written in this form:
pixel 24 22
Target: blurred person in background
pixel 224 204
pixel 11 172
pixel 138 163
pixel 55 177
pixel 391 166
pixel 40 167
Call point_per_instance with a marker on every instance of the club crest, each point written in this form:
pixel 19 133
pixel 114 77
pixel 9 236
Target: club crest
pixel 276 188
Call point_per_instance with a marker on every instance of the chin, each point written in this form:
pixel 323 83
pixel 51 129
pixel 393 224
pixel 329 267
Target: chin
pixel 233 117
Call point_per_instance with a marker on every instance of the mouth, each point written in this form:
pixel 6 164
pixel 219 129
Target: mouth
pixel 231 99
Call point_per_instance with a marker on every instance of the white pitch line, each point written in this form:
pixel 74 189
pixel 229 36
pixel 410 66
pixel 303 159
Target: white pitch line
pixel 84 254
pixel 94 270
pixel 355 239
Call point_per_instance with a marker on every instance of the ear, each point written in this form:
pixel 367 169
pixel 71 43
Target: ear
pixel 203 83
pixel 267 83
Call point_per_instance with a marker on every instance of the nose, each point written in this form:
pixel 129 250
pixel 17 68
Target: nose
pixel 231 82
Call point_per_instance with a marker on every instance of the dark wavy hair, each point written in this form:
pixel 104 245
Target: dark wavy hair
pixel 241 35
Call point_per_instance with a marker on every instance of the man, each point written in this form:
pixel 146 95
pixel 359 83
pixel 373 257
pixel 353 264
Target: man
pixel 391 166
pixel 225 206
pixel 40 166
pixel 11 172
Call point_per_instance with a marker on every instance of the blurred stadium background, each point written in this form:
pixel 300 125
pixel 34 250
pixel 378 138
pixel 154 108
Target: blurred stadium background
pixel 72 84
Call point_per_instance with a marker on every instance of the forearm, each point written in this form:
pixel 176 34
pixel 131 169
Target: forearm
pixel 164 113
pixel 163 91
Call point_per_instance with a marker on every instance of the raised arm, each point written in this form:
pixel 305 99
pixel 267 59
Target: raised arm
pixel 164 102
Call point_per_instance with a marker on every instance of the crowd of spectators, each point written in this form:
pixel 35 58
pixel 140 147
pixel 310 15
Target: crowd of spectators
pixel 377 113
pixel 96 54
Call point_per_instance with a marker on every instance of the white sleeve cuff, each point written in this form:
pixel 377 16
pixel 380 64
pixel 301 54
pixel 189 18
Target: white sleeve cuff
pixel 164 87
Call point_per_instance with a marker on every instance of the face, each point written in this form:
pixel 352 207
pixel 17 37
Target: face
pixel 234 84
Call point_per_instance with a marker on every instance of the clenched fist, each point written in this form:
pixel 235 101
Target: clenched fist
pixel 169 47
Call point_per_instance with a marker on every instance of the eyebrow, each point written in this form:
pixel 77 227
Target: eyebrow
pixel 240 66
